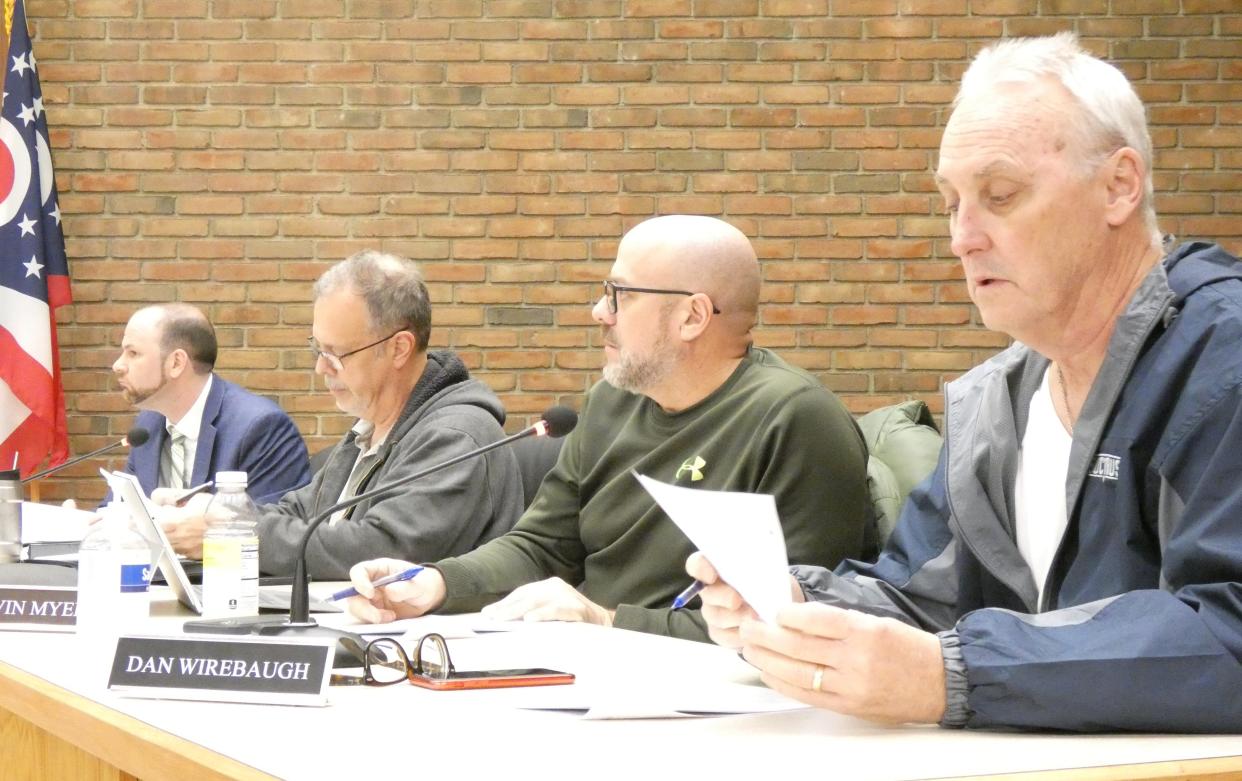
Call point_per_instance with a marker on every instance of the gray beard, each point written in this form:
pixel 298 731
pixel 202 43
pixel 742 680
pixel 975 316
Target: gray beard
pixel 637 376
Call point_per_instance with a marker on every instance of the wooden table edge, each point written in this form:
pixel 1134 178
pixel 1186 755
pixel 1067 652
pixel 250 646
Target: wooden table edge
pixel 123 741
pixel 1222 768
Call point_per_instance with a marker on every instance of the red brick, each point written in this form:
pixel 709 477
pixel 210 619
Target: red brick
pixel 508 144
pixel 831 116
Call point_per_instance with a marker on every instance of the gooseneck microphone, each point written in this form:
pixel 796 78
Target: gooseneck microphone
pixel 133 438
pixel 556 422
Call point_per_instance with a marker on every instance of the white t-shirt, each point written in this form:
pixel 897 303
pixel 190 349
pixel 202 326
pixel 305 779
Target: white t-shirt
pixel 1039 491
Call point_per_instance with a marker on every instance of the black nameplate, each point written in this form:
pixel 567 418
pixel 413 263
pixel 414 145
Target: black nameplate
pixel 233 669
pixel 37 608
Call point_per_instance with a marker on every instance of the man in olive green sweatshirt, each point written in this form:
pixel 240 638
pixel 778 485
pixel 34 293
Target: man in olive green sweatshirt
pixel 685 399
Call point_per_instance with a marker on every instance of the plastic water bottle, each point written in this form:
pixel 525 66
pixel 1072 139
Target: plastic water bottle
pixel 114 575
pixel 231 551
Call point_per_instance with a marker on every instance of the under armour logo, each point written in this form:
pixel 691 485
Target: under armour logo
pixel 694 466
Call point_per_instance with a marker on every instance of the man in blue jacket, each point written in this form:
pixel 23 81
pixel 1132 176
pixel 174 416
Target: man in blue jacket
pixel 1075 560
pixel 199 423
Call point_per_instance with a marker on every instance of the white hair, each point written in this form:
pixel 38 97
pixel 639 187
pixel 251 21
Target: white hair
pixel 1112 115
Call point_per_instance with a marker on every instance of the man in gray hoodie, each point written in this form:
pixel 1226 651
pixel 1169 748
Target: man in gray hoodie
pixel 414 409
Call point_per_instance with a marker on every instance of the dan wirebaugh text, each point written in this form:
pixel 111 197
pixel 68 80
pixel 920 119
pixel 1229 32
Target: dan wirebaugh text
pixel 218 668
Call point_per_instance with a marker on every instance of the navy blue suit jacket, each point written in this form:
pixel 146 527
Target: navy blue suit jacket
pixel 240 432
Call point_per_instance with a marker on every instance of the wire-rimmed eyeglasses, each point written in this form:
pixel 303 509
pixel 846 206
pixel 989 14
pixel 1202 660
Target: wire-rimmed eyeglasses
pixel 334 360
pixel 385 662
pixel 612 288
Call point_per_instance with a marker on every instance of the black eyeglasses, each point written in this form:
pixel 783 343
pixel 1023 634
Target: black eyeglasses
pixel 612 288
pixel 385 662
pixel 334 360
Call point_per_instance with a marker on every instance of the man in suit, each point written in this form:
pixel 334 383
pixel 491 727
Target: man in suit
pixel 200 424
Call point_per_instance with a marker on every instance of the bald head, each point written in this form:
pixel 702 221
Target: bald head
pixel 181 327
pixel 678 308
pixel 700 254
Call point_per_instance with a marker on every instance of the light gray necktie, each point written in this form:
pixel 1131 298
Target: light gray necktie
pixel 176 452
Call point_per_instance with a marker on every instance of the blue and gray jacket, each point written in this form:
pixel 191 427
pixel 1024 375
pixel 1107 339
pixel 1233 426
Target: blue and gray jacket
pixel 1140 627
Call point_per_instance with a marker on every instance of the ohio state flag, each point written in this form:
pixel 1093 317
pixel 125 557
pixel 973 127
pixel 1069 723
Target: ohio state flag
pixel 34 273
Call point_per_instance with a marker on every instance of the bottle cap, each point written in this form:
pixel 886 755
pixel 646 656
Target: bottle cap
pixel 231 479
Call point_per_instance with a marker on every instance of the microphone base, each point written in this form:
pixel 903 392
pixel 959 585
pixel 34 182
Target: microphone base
pixel 349 646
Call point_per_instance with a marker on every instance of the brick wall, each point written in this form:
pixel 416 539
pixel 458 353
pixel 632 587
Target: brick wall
pixel 225 152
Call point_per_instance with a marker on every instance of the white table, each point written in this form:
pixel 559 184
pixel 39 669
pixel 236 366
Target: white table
pixel 51 706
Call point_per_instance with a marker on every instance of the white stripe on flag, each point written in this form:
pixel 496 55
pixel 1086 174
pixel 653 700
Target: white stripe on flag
pixel 30 322
pixel 12 412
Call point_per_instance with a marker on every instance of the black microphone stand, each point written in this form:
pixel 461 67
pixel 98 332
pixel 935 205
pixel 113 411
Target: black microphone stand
pixel 135 437
pixel 299 598
pixel 57 573
pixel 299 622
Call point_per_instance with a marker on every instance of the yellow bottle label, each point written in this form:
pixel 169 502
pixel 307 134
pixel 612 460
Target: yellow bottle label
pixel 225 554
pixel 230 577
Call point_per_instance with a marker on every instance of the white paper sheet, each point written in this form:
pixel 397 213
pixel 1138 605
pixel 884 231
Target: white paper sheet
pixel 53 523
pixel 739 533
pixel 447 626
pixel 664 702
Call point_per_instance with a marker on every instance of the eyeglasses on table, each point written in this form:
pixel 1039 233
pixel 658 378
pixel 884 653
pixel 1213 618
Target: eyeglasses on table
pixel 385 662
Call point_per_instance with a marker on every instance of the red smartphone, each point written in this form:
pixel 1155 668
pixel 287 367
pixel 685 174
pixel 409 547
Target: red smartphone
pixel 493 679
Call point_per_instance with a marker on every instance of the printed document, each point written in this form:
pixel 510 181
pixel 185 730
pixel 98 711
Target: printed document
pixel 739 533
pixel 53 523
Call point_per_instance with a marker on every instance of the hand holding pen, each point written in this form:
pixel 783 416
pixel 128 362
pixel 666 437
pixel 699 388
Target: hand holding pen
pixel 688 594
pixel 724 609
pixel 410 591
pixel 396 577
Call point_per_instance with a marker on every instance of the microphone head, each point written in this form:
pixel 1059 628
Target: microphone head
pixel 137 436
pixel 559 421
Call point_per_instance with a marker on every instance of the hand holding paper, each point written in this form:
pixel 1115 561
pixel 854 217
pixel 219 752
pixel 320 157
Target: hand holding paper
pixel 724 610
pixel 741 535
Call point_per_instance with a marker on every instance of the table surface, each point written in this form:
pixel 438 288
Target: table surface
pixel 371 732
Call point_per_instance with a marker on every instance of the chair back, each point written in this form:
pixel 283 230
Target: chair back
pixel 535 456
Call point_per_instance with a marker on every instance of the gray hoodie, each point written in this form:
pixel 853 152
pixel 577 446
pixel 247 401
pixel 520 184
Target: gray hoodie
pixel 444 514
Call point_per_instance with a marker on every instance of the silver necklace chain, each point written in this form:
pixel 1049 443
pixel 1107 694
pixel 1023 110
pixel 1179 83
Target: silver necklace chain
pixel 1065 398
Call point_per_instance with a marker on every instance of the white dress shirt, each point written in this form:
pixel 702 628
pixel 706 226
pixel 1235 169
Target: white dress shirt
pixel 191 424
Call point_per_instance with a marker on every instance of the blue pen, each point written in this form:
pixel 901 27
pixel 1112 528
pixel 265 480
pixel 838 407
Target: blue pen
pixel 690 593
pixel 384 581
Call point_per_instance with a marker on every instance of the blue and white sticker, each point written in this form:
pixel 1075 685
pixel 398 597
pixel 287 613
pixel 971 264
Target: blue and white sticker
pixel 135 578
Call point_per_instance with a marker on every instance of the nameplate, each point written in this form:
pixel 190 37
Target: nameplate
pixel 233 669
pixel 41 608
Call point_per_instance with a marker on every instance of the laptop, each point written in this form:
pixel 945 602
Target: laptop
pixel 125 486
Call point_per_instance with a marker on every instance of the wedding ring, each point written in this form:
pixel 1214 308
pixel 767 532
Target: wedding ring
pixel 817 680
